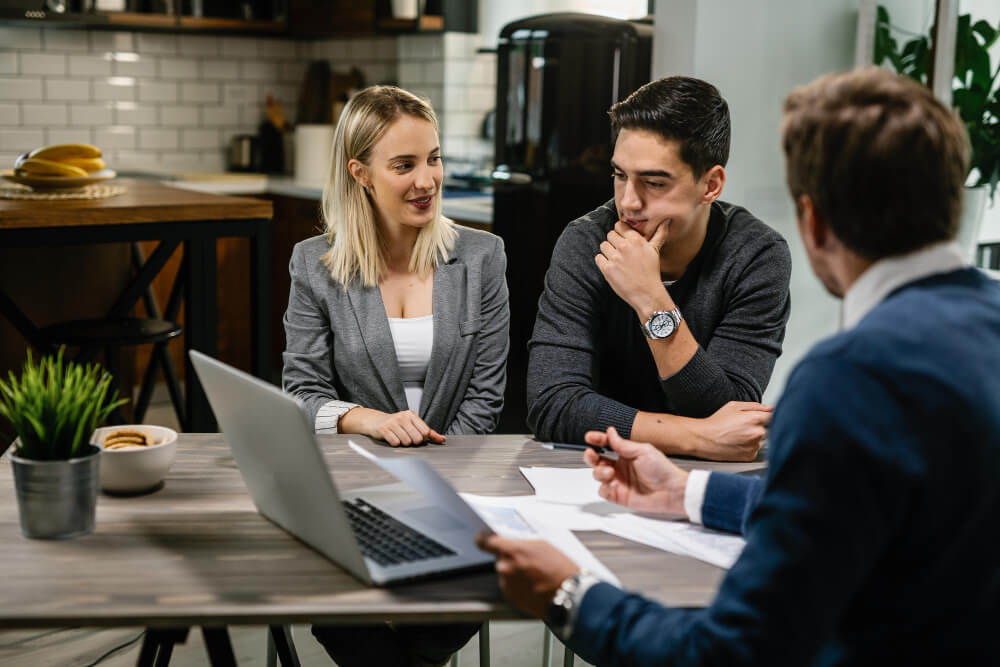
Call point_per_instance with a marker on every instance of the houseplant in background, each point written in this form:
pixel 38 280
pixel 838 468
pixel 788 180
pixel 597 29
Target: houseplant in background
pixel 975 95
pixel 54 407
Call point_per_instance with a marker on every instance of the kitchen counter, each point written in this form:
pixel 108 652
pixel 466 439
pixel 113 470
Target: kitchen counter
pixel 458 205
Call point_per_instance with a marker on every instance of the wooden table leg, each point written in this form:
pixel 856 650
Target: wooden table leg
pixel 158 646
pixel 200 326
pixel 220 649
pixel 282 637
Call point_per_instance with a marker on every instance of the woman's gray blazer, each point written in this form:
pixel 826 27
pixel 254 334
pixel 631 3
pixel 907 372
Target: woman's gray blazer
pixel 339 347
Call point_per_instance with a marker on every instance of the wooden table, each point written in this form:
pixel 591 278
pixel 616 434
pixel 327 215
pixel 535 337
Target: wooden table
pixel 196 552
pixel 149 211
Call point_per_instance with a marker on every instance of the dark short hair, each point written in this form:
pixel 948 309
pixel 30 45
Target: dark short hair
pixel 883 161
pixel 683 109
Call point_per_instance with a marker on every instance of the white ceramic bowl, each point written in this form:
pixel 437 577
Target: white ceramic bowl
pixel 139 469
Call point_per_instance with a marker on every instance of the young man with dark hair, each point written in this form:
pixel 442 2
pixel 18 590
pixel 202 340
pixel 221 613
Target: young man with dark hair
pixel 665 303
pixel 872 538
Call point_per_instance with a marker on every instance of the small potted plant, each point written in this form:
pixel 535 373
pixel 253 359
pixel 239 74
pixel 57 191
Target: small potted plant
pixel 54 408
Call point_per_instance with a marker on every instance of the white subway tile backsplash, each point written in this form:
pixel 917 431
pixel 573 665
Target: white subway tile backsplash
pixel 114 89
pixel 190 93
pixel 66 40
pixel 156 43
pixel 21 140
pixel 68 135
pixel 434 73
pixel 227 70
pixel 90 114
pixel 67 89
pixel 200 92
pixel 89 65
pixel 19 89
pixel 255 70
pixel 292 72
pixel 158 91
pixel 183 162
pixel 43 63
pixel 141 66
pixel 485 70
pixel 10 114
pixel 199 139
pixel 455 97
pixel 283 49
pixel 375 73
pixel 385 48
pixel 111 41
pixel 44 114
pixel 220 116
pixel 214 160
pixel 239 46
pixel 179 116
pixel 115 137
pixel 199 45
pixel 462 123
pixel 480 98
pixel 8 62
pixel 239 93
pixel 131 159
pixel 458 71
pixel 158 138
pixel 129 113
pixel 178 68
pixel 20 38
pixel 411 74
pixel 362 50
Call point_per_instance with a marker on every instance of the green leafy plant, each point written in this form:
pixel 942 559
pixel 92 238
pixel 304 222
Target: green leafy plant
pixel 975 86
pixel 54 406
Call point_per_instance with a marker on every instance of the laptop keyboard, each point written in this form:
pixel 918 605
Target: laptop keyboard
pixel 388 541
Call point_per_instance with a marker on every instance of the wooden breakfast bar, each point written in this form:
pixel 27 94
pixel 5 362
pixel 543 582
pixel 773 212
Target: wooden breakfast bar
pixel 149 211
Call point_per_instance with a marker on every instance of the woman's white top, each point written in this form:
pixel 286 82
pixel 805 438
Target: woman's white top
pixel 413 338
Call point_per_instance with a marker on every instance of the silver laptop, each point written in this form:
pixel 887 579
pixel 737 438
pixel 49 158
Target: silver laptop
pixel 381 534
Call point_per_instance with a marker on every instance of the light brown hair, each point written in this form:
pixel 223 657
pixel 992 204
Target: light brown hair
pixel 356 249
pixel 883 161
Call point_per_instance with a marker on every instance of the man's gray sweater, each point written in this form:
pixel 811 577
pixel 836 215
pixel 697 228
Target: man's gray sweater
pixel 590 366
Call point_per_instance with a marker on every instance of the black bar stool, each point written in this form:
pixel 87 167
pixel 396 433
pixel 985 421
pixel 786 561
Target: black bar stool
pixel 113 334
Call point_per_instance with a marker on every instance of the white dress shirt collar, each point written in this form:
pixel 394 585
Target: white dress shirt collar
pixel 889 274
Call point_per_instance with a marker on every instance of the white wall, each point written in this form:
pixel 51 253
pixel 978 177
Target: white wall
pixel 755 53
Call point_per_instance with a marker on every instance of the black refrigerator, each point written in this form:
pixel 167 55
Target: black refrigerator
pixel 557 76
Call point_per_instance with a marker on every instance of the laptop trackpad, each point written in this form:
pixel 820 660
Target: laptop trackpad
pixel 432 517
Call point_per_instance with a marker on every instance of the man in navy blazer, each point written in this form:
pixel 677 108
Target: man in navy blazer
pixel 873 536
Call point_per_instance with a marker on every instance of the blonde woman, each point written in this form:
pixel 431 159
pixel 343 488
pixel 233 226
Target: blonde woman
pixel 397 319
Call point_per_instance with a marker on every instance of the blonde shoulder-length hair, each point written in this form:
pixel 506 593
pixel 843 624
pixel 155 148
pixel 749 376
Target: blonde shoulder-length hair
pixel 356 248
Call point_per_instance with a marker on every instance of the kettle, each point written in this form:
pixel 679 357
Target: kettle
pixel 244 154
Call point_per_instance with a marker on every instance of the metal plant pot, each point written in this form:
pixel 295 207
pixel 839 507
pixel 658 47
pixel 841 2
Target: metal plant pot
pixel 56 499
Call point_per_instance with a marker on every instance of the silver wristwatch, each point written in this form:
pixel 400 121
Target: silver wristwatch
pixel 661 324
pixel 562 611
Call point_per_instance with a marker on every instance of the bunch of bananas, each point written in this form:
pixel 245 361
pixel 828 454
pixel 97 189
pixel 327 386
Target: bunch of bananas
pixel 61 160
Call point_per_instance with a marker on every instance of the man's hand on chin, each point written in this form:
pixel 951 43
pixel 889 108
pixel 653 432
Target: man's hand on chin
pixel 631 265
pixel 530 571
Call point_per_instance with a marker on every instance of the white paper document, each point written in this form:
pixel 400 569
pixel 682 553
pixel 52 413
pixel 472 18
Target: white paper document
pixel 570 494
pixel 498 510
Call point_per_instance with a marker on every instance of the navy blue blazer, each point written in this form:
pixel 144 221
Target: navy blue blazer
pixel 874 539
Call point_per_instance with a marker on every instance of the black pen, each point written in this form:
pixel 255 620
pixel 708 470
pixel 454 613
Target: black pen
pixel 606 452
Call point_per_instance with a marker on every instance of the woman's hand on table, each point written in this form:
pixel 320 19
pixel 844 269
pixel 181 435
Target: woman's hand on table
pixel 399 429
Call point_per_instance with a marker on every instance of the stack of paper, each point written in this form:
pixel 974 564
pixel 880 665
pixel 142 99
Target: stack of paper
pixel 567 498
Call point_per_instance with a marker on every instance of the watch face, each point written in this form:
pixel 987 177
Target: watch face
pixel 661 325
